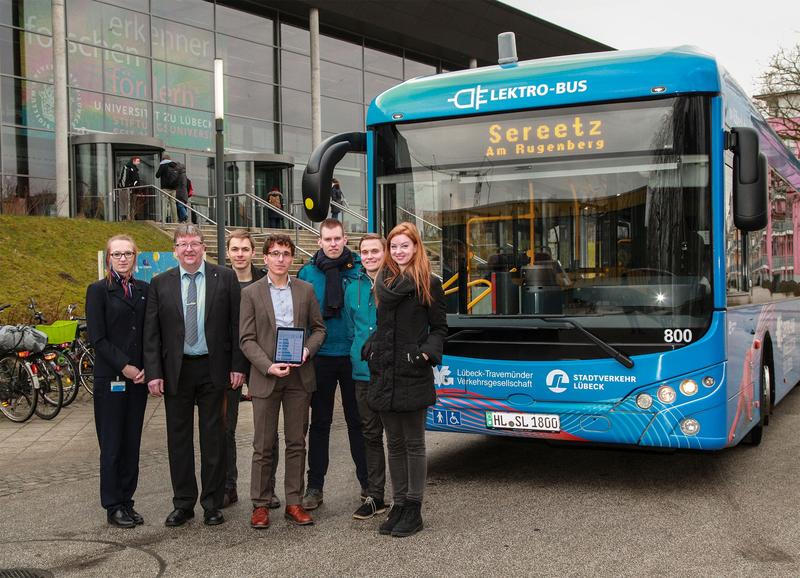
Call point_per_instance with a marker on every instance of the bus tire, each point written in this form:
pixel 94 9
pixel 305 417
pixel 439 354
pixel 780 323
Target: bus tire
pixel 764 400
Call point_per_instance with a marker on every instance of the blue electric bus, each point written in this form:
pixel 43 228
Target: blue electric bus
pixel 618 240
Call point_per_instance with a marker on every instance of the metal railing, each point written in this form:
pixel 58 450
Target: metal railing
pixel 345 208
pixel 418 218
pixel 257 203
pixel 149 202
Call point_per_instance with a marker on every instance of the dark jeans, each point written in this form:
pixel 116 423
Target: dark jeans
pixel 234 396
pixel 275 221
pixel 182 212
pixel 119 417
pixel 331 370
pixel 372 427
pixel 408 464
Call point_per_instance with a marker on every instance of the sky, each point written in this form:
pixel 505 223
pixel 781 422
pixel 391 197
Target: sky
pixel 742 35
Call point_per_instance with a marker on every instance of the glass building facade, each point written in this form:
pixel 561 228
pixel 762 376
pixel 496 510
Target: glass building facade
pixel 144 68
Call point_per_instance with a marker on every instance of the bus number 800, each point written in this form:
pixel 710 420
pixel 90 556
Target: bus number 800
pixel 677 335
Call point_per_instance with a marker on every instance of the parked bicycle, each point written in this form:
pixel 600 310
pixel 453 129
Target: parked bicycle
pixel 82 351
pixel 28 381
pixel 60 350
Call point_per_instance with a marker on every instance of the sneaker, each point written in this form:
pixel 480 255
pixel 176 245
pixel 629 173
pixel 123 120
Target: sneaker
pixel 369 508
pixel 391 521
pixel 312 499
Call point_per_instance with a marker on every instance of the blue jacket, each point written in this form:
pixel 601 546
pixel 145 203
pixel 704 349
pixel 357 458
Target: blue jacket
pixel 336 342
pixel 360 314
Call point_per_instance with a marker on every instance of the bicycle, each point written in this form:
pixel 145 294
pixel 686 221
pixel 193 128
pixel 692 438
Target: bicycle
pixel 19 384
pixel 59 352
pixel 82 351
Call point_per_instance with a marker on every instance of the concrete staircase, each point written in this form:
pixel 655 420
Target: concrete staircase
pixel 304 240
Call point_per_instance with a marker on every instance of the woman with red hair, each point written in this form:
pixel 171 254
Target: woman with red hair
pixel 407 343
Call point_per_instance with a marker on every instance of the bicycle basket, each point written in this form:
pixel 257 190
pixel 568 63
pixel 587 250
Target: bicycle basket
pixel 60 331
pixel 22 338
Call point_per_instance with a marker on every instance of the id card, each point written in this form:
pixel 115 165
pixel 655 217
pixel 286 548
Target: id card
pixel 117 386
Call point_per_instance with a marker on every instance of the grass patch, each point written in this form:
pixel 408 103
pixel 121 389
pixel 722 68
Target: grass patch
pixel 53 260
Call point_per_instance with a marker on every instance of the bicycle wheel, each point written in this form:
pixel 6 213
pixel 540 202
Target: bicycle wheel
pixel 68 371
pixel 86 370
pixel 51 392
pixel 18 395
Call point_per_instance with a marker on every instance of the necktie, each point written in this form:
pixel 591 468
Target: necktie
pixel 191 310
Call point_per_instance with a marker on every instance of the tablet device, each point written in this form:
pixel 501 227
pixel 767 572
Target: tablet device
pixel 289 345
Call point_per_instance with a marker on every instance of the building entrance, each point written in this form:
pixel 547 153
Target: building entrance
pixel 99 159
pixel 250 177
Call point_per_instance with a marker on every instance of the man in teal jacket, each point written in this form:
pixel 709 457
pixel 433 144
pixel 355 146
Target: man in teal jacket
pixel 360 313
pixel 330 271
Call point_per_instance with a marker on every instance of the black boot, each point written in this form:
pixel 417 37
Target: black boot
pixel 410 521
pixel 391 521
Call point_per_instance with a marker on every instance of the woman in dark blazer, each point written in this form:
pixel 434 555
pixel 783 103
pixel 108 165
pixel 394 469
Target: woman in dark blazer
pixel 115 309
pixel 407 343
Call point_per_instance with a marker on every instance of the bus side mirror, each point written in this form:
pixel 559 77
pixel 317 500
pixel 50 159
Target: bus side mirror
pixel 750 175
pixel 319 171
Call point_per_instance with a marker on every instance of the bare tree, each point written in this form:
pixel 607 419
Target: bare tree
pixel 780 98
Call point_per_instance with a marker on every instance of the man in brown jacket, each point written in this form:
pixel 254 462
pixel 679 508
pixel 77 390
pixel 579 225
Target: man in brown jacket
pixel 272 302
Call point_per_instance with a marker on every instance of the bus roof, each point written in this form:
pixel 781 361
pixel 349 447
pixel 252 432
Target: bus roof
pixel 547 82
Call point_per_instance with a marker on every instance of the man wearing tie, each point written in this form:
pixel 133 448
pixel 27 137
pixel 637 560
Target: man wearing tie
pixel 272 302
pixel 191 356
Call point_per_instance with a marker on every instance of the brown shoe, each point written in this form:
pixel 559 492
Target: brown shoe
pixel 230 497
pixel 260 518
pixel 298 516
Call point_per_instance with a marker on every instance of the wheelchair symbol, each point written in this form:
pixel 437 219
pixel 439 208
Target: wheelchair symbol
pixel 454 418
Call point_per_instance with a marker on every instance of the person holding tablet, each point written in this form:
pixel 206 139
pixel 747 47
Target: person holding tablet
pixel 280 329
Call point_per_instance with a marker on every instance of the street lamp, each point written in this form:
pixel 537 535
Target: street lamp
pixel 219 164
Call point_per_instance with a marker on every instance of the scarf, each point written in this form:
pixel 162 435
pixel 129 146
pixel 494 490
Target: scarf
pixel 126 282
pixel 334 292
pixel 390 296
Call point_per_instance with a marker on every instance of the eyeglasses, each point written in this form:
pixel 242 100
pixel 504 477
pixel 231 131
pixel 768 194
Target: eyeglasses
pixel 183 246
pixel 280 254
pixel 117 255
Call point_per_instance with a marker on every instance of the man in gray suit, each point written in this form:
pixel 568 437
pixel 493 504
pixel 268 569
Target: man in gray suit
pixel 191 356
pixel 272 302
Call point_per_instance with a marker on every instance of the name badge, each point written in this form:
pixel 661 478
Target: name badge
pixel 117 386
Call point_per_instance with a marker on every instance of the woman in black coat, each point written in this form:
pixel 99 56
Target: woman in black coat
pixel 407 343
pixel 115 309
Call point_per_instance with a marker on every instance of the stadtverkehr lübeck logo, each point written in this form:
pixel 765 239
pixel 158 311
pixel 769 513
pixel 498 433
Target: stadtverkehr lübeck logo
pixel 556 381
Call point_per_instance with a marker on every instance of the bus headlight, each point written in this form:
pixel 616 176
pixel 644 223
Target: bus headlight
pixel 688 387
pixel 665 394
pixel 690 426
pixel 709 381
pixel 644 401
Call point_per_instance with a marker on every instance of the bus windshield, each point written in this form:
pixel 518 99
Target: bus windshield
pixel 600 213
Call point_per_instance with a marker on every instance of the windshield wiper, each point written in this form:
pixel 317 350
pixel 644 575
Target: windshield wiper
pixel 607 347
pixel 508 322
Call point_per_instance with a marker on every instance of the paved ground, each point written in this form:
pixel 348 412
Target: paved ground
pixel 493 507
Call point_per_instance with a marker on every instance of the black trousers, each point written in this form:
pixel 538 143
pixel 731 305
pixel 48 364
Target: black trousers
pixel 195 388
pixel 330 371
pixel 118 418
pixel 372 426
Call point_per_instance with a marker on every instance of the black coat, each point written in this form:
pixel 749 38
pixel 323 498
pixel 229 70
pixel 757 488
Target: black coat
pixel 401 379
pixel 164 327
pixel 115 326
pixel 181 187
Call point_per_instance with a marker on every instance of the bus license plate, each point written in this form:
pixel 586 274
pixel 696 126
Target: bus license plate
pixel 523 421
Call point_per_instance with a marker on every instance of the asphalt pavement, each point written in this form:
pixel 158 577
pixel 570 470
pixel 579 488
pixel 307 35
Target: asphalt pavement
pixel 494 507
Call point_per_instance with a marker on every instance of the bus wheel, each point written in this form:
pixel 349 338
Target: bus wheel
pixel 765 393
